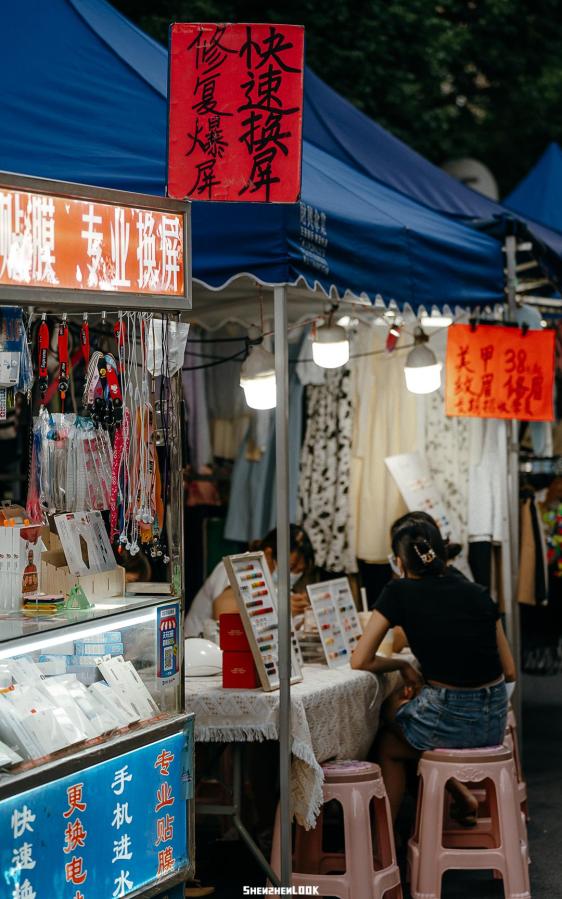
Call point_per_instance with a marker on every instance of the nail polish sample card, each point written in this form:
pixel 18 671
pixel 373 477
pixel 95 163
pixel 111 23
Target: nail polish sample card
pixel 337 619
pixel 257 601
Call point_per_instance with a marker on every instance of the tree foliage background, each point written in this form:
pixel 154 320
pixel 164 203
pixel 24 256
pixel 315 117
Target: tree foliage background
pixel 452 78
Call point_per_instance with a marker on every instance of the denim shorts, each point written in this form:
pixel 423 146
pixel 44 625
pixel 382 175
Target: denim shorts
pixel 442 718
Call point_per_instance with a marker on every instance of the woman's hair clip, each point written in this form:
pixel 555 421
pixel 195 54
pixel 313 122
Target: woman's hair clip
pixel 426 557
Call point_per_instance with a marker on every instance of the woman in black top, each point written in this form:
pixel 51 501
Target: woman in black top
pixel 453 629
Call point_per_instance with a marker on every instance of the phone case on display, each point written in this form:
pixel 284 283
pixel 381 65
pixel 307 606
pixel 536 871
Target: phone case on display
pixel 94 713
pixel 59 688
pixel 8 756
pixel 115 703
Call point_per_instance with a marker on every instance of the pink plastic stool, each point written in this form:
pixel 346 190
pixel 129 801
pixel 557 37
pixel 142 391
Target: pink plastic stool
pixel 498 843
pixel 512 743
pixel 355 874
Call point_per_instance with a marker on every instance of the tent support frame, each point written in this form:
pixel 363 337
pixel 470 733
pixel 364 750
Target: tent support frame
pixel 283 554
pixel 512 608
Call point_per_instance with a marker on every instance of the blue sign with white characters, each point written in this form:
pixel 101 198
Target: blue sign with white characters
pixel 105 831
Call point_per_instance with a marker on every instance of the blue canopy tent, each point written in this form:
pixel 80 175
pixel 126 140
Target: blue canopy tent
pixel 539 194
pixel 335 125
pixel 84 100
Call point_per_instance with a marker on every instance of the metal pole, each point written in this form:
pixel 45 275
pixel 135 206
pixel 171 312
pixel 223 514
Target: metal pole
pixel 511 606
pixel 283 550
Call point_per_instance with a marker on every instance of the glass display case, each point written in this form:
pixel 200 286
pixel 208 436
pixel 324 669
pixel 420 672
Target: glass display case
pixel 96 750
pixel 82 679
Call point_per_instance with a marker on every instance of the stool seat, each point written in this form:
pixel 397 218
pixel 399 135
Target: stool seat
pixel 343 771
pixel 468 756
pixel 497 843
pixel 360 871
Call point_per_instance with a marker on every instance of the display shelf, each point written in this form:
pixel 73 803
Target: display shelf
pixel 21 633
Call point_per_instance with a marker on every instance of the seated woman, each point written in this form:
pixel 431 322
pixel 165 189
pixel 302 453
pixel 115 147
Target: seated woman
pixel 216 596
pixel 452 550
pixel 453 629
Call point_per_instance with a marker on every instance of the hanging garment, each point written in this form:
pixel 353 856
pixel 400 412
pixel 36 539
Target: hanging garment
pixel 385 424
pixel 541 625
pixel 488 512
pixel 198 431
pixel 532 577
pixel 252 508
pixel 323 500
pixel 228 412
pixel 445 440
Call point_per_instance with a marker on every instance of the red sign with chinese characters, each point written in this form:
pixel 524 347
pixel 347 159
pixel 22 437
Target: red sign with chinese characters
pixel 235 112
pixel 55 242
pixel 500 372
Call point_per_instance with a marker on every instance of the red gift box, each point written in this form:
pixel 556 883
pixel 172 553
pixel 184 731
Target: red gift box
pixel 232 634
pixel 239 671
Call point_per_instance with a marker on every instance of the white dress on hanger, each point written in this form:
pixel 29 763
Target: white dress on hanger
pixel 385 424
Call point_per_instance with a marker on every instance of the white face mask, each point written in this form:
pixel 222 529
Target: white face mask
pixel 392 561
pixel 294 576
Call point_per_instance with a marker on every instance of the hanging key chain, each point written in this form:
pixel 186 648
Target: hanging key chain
pixel 64 367
pixel 114 389
pixel 43 355
pixel 120 334
pixel 85 340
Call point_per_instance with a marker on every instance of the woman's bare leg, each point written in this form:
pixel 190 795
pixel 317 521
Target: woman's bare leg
pixel 392 754
pixel 465 800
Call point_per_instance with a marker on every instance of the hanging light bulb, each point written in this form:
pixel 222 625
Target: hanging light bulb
pixel 422 370
pixel 330 346
pixel 257 379
pixel 436 321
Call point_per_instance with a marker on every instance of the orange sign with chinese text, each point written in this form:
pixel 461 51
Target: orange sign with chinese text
pixel 56 242
pixel 500 372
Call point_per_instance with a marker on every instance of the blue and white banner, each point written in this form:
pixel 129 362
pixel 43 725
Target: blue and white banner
pixel 103 832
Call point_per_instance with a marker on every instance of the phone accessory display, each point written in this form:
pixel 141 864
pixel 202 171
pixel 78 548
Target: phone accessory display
pixel 16 368
pixel 250 580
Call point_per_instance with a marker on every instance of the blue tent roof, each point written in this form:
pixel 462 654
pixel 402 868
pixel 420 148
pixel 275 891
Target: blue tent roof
pixel 335 125
pixel 84 100
pixel 539 194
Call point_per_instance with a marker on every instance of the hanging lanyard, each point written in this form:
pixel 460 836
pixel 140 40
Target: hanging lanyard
pixel 85 340
pixel 63 361
pixel 114 388
pixel 119 331
pixel 43 354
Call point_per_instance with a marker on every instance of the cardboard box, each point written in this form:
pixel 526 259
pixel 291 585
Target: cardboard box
pixel 56 578
pixel 239 671
pixel 232 635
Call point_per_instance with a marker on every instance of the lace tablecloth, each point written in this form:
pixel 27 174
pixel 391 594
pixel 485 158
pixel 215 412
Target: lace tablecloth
pixel 335 714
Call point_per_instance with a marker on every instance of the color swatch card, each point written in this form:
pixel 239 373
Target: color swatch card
pixel 250 579
pixel 347 611
pixel 337 619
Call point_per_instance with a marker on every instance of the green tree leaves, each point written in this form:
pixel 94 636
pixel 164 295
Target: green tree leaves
pixel 452 78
